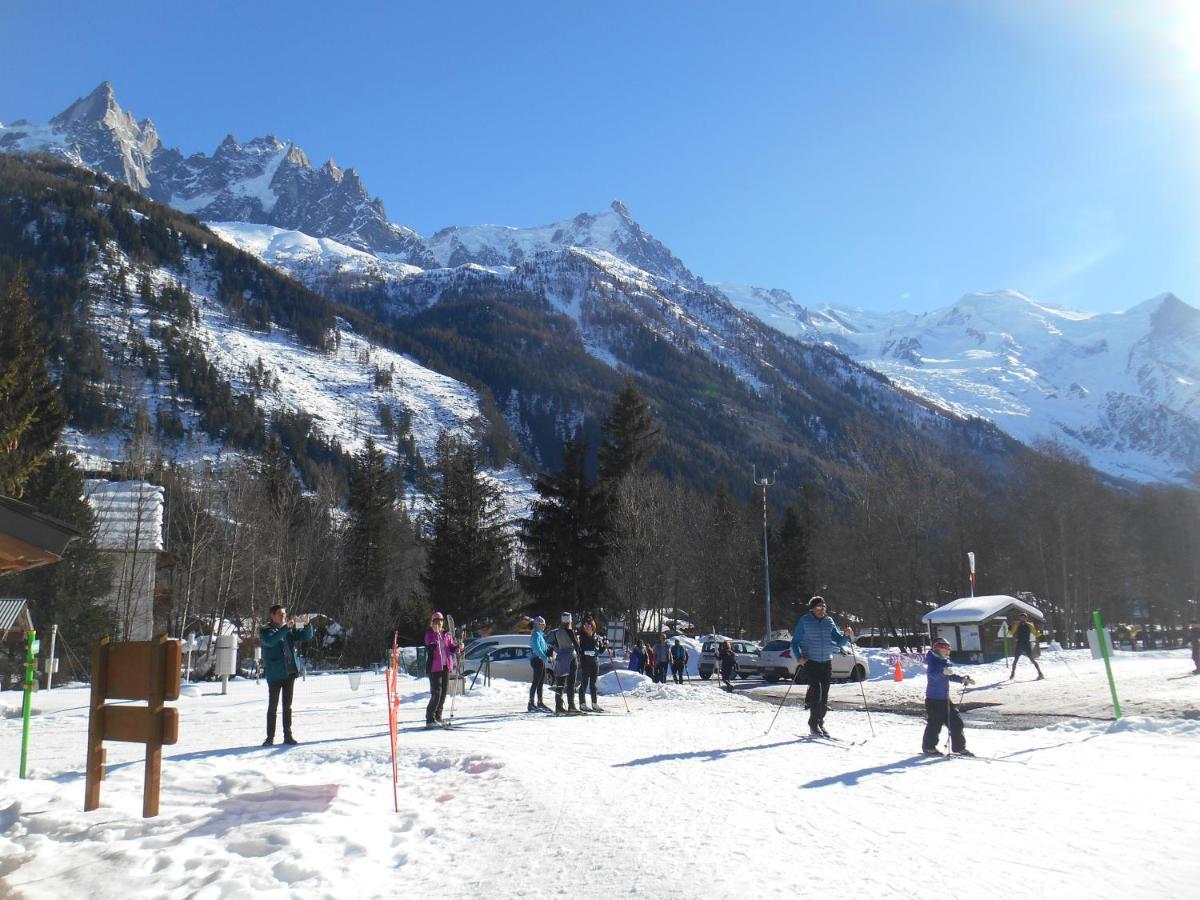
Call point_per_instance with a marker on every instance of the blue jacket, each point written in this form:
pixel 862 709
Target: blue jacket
pixel 279 658
pixel 537 646
pixel 815 638
pixel 937 685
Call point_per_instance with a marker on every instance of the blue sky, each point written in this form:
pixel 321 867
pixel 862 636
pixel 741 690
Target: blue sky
pixel 881 154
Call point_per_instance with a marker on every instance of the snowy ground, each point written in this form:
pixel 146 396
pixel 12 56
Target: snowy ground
pixel 686 795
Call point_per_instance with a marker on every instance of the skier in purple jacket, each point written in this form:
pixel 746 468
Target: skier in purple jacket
pixel 440 650
pixel 939 710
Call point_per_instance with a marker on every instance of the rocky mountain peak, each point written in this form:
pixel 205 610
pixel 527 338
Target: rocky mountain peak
pixel 93 108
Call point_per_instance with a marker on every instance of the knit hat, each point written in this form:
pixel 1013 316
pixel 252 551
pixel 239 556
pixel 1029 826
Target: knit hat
pixel 940 642
pixel 566 617
pixel 539 621
pixel 437 615
pixel 816 601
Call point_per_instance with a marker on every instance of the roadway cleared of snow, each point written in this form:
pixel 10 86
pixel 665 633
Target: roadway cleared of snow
pixel 686 795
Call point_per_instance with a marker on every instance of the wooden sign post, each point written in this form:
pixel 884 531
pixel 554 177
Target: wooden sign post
pixel 133 670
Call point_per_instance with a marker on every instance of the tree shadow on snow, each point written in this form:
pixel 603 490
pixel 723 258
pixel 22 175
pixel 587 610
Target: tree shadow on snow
pixel 710 755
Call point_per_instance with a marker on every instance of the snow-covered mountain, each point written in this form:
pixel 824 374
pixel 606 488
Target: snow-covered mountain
pixel 264 181
pixel 612 231
pixel 1123 389
pixel 1120 389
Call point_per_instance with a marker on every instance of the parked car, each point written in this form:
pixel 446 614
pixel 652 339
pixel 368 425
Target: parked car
pixel 509 654
pixel 745 651
pixel 777 662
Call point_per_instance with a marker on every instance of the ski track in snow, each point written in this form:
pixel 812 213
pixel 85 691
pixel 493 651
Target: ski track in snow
pixel 687 794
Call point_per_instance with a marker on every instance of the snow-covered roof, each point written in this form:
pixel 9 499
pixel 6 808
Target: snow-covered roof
pixel 12 612
pixel 129 514
pixel 979 609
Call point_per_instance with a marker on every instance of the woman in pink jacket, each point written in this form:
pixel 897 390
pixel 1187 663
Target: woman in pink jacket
pixel 440 652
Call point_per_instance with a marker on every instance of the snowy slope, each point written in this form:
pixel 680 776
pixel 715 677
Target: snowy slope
pixel 1123 389
pixel 485 808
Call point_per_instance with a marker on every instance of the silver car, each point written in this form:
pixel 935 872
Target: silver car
pixel 777 662
pixel 745 651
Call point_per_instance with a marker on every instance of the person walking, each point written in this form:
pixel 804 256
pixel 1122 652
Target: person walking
pixel 813 640
pixel 727 662
pixel 662 657
pixel 539 658
pixel 565 644
pixel 939 709
pixel 278 639
pixel 440 652
pixel 591 648
pixel 1195 639
pixel 635 657
pixel 679 658
pixel 1026 635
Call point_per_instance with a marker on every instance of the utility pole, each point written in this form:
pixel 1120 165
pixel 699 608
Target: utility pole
pixel 765 483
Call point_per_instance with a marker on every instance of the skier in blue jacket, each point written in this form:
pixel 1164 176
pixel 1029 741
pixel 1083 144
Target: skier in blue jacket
pixel 539 658
pixel 813 640
pixel 939 710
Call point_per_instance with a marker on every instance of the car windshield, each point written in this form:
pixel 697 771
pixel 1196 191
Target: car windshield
pixel 480 649
pixel 777 645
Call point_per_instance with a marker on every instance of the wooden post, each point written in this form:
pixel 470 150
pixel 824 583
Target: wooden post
pixel 153 778
pixel 95 751
pixel 134 670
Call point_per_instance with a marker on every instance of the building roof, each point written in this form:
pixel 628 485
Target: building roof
pixel 29 538
pixel 978 609
pixel 129 514
pixel 15 614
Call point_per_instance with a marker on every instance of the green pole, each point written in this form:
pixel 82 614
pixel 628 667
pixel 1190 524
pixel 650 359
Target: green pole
pixel 30 670
pixel 1112 685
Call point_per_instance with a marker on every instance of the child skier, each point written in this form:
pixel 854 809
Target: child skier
pixel 727 660
pixel 939 710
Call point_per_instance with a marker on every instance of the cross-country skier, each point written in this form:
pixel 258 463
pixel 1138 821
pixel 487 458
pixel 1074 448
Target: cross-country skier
pixel 813 640
pixel 565 645
pixel 539 658
pixel 278 641
pixel 939 710
pixel 1025 634
pixel 440 652
pixel 679 658
pixel 727 661
pixel 591 647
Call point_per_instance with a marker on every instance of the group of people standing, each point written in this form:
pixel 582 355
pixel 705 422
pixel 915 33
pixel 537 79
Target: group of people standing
pixel 575 658
pixel 653 661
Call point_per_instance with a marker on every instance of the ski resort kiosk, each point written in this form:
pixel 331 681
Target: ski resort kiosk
pixel 976 626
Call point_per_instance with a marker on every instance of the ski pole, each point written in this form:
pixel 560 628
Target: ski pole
pixel 866 708
pixel 393 701
pixel 795 678
pixel 457 671
pixel 618 677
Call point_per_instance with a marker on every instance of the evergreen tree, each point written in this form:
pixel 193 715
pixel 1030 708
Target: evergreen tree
pixel 31 416
pixel 70 593
pixel 791 584
pixel 468 569
pixel 564 536
pixel 631 436
pixel 369 539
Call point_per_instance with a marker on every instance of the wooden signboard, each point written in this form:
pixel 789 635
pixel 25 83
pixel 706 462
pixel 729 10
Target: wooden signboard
pixel 133 670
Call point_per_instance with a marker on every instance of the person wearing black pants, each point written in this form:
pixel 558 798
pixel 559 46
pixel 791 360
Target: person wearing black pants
pixel 565 644
pixel 440 652
pixel 939 709
pixel 1025 634
pixel 538 659
pixel 278 639
pixel 591 645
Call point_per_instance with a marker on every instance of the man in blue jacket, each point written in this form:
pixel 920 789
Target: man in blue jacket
pixel 813 640
pixel 282 665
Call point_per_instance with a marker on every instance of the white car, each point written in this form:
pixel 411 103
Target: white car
pixel 509 655
pixel 747 654
pixel 776 662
